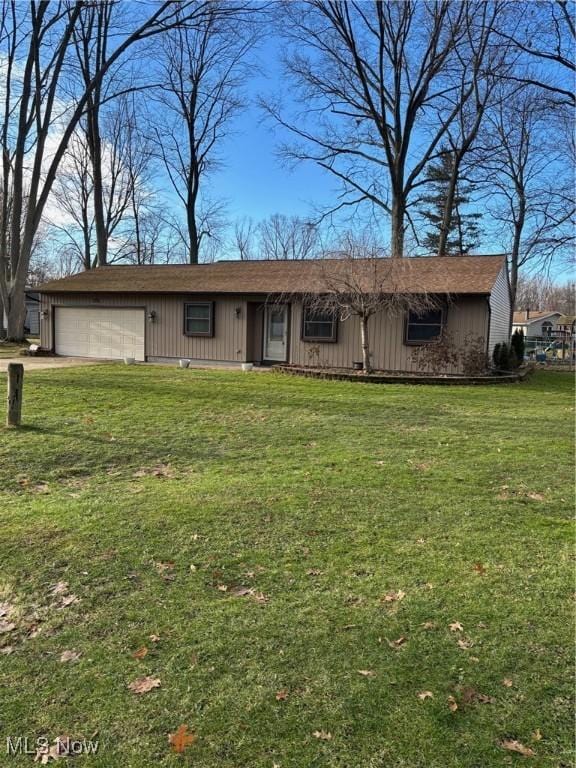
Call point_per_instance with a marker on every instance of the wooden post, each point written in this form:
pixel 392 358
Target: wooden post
pixel 15 387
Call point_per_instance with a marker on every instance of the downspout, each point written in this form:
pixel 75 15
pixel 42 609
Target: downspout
pixel 489 326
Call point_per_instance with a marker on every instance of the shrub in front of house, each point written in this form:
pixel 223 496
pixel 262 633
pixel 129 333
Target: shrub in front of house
pixel 505 357
pixel 496 355
pixel 474 360
pixel 437 357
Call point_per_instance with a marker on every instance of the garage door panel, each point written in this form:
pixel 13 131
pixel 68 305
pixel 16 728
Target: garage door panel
pixel 101 332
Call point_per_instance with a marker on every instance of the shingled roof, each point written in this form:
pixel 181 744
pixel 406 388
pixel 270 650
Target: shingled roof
pixel 524 317
pixel 452 274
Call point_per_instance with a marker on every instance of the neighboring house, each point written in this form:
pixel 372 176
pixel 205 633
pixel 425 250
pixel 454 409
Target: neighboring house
pixel 32 321
pixel 255 311
pixel 535 324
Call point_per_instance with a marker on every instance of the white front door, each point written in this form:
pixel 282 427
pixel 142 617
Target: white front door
pixel 276 333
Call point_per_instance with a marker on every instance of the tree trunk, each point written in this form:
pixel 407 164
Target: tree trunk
pixel 365 345
pixel 515 254
pixel 398 213
pixel 192 235
pixel 95 147
pixel 448 212
pixel 15 314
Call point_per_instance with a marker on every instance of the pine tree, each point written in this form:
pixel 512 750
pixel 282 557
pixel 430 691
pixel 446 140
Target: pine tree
pixel 464 230
pixel 518 345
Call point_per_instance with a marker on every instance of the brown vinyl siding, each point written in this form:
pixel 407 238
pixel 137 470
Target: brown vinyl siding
pixel 464 315
pixel 165 337
pixel 254 330
pixel 239 338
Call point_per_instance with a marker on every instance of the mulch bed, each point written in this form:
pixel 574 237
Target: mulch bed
pixel 401 377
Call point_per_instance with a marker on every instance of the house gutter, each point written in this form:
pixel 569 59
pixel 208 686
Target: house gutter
pixel 489 325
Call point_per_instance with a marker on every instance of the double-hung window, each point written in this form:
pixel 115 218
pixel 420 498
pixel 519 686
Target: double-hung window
pixel 199 318
pixel 319 325
pixel 424 327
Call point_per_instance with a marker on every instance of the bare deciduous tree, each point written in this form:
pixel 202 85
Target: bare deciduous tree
pixel 124 159
pixel 544 33
pixel 287 238
pixel 36 44
pixel 529 192
pixel 278 238
pixel 538 292
pixel 244 234
pixel 383 83
pixel 363 284
pixel 203 74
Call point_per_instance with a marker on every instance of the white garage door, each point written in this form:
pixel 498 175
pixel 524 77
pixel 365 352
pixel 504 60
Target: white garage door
pixel 99 332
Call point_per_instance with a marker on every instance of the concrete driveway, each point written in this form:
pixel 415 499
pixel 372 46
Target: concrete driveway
pixel 43 363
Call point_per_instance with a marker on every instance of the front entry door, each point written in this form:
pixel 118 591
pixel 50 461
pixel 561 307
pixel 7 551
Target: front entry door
pixel 276 333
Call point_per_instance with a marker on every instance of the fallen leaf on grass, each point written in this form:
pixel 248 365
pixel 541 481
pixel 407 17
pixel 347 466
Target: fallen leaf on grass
pixel 7 626
pixel 222 588
pixel 7 650
pixel 45 754
pixel 61 588
pixel 60 748
pixel 397 643
pixel 479 568
pixel 515 746
pixel 470 695
pixel 281 695
pixel 163 567
pixel 392 597
pixel 423 695
pixel 182 739
pixel 322 735
pixel 69 656
pixel 69 600
pixel 144 684
pixel 258 597
pixel 313 572
pixel 537 735
pixel 452 704
pixel 455 626
pixel 154 638
pixel 535 496
pixel 507 682
pixel 465 643
pixel 241 591
pixel 366 672
pixel 140 653
pixel 428 625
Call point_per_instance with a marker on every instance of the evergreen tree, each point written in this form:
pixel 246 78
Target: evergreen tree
pixel 518 345
pixel 464 230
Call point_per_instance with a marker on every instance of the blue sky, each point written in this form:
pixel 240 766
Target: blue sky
pixel 253 179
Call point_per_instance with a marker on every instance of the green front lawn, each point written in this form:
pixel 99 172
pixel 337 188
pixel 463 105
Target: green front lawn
pixel 297 550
